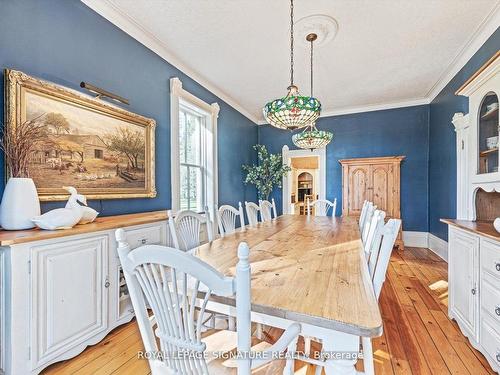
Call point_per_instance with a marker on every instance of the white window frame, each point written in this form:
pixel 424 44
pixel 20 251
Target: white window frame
pixel 178 97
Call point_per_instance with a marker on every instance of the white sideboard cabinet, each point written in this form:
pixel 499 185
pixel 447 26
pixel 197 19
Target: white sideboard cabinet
pixel 61 291
pixel 474 284
pixel 463 281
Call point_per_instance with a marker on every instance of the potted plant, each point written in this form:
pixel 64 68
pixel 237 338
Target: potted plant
pixel 20 201
pixel 267 173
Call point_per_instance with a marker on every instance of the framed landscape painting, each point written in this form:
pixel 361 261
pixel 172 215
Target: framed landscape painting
pixel 104 151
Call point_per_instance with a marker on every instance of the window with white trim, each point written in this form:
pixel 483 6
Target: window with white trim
pixel 192 159
pixel 194 150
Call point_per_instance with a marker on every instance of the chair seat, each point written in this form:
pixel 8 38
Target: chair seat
pixel 225 342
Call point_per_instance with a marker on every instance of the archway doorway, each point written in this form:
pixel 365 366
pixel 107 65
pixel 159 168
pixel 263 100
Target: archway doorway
pixel 311 167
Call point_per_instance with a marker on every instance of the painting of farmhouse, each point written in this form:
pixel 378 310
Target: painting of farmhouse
pixel 102 150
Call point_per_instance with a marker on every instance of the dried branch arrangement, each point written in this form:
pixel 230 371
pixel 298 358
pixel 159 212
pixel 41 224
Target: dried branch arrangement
pixel 19 143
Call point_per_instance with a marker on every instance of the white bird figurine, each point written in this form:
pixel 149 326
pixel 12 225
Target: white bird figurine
pixel 88 214
pixel 61 218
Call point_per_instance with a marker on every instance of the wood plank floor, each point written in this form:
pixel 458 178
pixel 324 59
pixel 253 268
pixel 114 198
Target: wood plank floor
pixel 418 336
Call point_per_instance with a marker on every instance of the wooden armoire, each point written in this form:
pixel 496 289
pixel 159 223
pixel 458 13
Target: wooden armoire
pixel 373 179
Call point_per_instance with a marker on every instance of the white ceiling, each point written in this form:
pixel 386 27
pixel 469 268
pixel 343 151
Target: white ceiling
pixel 387 53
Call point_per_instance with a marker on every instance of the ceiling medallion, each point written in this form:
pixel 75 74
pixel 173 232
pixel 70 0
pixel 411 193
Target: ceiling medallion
pixel 325 27
pixel 312 138
pixel 293 111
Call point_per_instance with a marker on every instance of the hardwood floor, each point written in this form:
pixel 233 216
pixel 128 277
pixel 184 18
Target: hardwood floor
pixel 418 336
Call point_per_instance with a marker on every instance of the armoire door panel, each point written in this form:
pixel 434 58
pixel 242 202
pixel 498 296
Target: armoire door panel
pixel 358 189
pixel 382 184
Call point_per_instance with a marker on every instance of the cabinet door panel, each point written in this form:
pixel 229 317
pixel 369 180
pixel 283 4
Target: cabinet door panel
pixel 69 302
pixel 463 283
pixel 382 187
pixel 358 188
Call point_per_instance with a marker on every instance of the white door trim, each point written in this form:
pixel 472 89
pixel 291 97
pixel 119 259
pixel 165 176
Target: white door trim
pixel 287 179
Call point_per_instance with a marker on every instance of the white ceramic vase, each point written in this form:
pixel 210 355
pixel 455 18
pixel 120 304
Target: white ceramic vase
pixel 20 204
pixel 496 224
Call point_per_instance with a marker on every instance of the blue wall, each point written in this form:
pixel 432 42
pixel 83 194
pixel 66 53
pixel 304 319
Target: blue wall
pixel 65 42
pixel 393 132
pixel 442 147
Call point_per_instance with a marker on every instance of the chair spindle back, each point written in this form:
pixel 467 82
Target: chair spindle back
pixel 226 219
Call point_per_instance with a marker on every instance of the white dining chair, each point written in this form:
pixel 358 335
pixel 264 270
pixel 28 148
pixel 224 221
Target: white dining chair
pixel 185 228
pixel 364 210
pixel 380 255
pixel 368 219
pixel 267 210
pixel 379 261
pixel 226 219
pixel 321 207
pixel 177 287
pixel 362 214
pixel 252 210
pixel 374 232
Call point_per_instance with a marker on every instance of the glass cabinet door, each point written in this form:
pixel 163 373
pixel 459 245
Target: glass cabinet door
pixel 488 134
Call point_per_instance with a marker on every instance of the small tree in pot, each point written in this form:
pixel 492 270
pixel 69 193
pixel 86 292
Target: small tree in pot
pixel 267 173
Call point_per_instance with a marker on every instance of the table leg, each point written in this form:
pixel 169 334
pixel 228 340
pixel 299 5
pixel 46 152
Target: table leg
pixel 343 345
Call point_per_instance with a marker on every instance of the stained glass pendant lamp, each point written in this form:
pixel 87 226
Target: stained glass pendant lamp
pixel 293 111
pixel 312 138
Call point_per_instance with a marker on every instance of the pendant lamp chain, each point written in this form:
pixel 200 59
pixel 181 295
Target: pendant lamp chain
pixel 312 138
pixel 312 42
pixel 291 42
pixel 293 111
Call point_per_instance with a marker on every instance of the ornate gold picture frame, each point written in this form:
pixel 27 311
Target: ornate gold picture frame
pixel 102 150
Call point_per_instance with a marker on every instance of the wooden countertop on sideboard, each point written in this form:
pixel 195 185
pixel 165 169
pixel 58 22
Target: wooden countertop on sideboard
pixel 484 228
pixel 8 238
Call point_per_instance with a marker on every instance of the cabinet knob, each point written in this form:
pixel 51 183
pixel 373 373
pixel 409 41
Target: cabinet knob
pixel 497 310
pixel 497 266
pixel 473 291
pixel 107 283
pixel 498 357
pixel 144 241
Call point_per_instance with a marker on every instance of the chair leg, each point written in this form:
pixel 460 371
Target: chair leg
pixel 366 343
pixel 307 346
pixel 258 331
pixel 318 370
pixel 290 358
pixel 231 323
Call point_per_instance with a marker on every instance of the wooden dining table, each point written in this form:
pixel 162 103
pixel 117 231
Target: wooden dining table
pixel 310 270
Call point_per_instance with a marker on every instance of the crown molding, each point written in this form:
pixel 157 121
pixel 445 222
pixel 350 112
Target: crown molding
pixel 126 23
pixel 480 36
pixel 487 71
pixel 369 108
pixel 375 107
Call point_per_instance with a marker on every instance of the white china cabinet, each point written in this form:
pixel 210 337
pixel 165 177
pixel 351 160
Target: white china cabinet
pixel 477 138
pixel 474 245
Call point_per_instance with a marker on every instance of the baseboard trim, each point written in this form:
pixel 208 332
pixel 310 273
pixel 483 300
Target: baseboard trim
pixel 427 240
pixel 438 246
pixel 415 239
